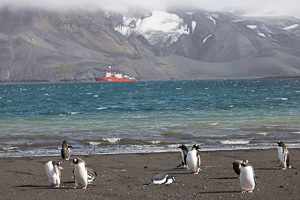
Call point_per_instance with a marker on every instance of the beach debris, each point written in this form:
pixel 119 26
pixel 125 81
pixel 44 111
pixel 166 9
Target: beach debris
pixel 193 159
pixel 53 172
pixel 160 179
pixel 283 156
pixel 247 177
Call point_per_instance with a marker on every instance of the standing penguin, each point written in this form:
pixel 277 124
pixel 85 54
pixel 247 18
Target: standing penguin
pixel 184 152
pixel 236 165
pixel 65 151
pixel 193 159
pixel 283 155
pixel 90 173
pixel 80 173
pixel 247 177
pixel 53 172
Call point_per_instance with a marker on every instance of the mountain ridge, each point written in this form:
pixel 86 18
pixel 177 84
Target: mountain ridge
pixel 40 45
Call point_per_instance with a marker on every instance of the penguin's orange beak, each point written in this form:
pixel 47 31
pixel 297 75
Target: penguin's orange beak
pixel 72 163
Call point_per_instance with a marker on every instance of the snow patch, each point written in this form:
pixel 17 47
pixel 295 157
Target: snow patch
pixel 252 26
pixel 211 18
pixel 206 38
pixel 194 24
pixel 291 27
pixel 261 34
pixel 158 28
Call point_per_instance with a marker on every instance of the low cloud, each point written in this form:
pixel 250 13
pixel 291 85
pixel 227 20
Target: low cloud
pixel 258 7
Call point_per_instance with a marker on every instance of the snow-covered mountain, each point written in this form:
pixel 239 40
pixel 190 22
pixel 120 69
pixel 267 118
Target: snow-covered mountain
pixel 39 45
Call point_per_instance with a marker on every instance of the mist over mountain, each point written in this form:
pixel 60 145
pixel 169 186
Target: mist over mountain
pixel 79 45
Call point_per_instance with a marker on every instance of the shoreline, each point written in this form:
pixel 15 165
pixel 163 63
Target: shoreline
pixel 122 176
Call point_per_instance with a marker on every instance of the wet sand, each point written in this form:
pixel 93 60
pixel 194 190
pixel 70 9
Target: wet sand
pixel 123 176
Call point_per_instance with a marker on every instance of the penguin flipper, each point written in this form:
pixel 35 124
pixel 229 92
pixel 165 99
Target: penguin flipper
pixel 92 171
pixel 287 160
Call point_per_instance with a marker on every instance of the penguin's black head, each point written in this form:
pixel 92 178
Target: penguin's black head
pixel 280 143
pixel 56 163
pixel 182 146
pixel 245 163
pixel 75 161
pixel 197 147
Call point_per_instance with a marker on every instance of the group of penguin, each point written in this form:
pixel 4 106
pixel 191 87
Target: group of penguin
pixel 82 174
pixel 243 168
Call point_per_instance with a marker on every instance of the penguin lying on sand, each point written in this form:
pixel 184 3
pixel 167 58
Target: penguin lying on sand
pixel 283 155
pixel 247 177
pixel 160 179
pixel 53 172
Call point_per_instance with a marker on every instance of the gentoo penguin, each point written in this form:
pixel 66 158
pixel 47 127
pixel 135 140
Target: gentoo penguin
pixel 283 155
pixel 80 173
pixel 161 179
pixel 65 151
pixel 247 177
pixel 184 152
pixel 90 173
pixel 53 172
pixel 236 165
pixel 193 159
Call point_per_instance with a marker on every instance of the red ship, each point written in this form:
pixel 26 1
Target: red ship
pixel 116 76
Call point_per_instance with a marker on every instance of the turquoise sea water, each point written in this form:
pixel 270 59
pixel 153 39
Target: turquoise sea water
pixel 146 116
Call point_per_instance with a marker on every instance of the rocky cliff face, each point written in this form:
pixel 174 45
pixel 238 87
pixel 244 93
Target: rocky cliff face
pixel 39 45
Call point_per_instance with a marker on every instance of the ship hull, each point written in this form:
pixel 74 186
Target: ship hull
pixel 105 79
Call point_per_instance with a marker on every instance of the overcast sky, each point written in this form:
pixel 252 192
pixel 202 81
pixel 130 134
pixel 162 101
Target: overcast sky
pixel 270 7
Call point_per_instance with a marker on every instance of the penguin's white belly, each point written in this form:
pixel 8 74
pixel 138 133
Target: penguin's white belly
pixel 81 176
pixel 281 157
pixel 193 161
pixel 247 181
pixel 53 176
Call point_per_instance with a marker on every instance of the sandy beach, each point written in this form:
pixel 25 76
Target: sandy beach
pixel 123 176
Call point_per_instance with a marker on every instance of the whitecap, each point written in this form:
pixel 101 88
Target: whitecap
pixel 101 108
pixel 112 140
pixel 155 141
pixel 214 124
pixel 234 141
pixel 96 95
pixel 296 132
pixel 73 113
pixel 93 143
pixel 262 133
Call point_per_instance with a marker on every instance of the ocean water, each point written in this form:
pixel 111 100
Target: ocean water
pixel 148 116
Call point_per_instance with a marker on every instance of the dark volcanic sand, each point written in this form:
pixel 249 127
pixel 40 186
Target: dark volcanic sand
pixel 123 176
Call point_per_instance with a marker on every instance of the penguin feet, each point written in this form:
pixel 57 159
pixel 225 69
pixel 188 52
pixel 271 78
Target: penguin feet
pixel 284 168
pixel 249 191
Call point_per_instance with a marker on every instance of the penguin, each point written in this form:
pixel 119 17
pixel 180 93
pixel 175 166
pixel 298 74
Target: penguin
pixel 160 179
pixel 80 173
pixel 247 177
pixel 65 151
pixel 53 172
pixel 236 165
pixel 283 155
pixel 193 159
pixel 184 152
pixel 90 173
